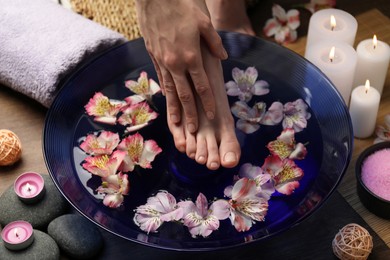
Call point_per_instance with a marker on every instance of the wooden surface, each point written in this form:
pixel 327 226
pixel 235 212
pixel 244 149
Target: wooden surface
pixel 369 23
pixel 26 118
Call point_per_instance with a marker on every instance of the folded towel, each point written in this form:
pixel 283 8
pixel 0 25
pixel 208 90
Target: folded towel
pixel 41 43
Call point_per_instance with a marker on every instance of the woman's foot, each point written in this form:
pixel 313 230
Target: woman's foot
pixel 230 15
pixel 215 142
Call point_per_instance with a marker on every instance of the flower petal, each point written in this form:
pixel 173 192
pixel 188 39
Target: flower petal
pixel 279 13
pixel 113 200
pixel 271 27
pixel 220 209
pixel 293 19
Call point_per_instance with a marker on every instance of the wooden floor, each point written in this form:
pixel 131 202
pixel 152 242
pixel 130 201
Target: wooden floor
pixel 26 118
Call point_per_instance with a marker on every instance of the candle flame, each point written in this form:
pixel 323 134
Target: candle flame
pixel 374 41
pixel 367 86
pixel 28 187
pixel 16 232
pixel 332 53
pixel 332 22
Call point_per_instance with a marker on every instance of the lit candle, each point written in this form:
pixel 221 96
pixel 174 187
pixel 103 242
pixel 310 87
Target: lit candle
pixel 17 235
pixel 364 109
pixel 30 187
pixel 373 62
pixel 331 24
pixel 337 60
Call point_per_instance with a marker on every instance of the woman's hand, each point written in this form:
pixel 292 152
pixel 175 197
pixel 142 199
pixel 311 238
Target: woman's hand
pixel 173 31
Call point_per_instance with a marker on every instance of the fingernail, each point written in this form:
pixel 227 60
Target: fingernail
pixel 214 165
pixel 224 54
pixel 230 157
pixel 174 119
pixel 191 128
pixel 210 115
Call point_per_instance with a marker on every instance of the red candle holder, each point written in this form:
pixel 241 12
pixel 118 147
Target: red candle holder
pixel 30 187
pixel 17 235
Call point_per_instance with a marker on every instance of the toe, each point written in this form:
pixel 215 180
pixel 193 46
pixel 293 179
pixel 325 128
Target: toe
pixel 229 151
pixel 213 161
pixel 191 146
pixel 201 150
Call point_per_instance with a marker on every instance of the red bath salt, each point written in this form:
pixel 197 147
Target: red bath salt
pixel 376 173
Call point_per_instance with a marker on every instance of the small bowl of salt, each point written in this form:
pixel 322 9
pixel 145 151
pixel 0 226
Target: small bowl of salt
pixel 373 179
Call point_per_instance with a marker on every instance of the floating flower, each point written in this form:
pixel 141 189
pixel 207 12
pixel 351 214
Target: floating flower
pixel 285 146
pixel 245 84
pixel 383 132
pixel 103 109
pixel 245 206
pixel 143 86
pixel 295 115
pixel 285 173
pixel 274 115
pixel 249 118
pixel 201 220
pixel 137 116
pixel 104 143
pixel 114 187
pixel 316 5
pixel 138 152
pixel 283 25
pixel 158 209
pixel 104 165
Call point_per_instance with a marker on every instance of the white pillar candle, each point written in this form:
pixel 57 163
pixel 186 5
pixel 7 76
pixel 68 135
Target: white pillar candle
pixel 372 64
pixel 340 69
pixel 364 109
pixel 321 28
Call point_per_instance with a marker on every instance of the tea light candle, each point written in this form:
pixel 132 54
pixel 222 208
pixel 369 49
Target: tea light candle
pixel 30 187
pixel 373 62
pixel 331 24
pixel 337 60
pixel 364 109
pixel 17 235
pixel 375 173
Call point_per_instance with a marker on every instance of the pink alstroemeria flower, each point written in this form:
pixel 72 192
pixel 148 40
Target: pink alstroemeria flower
pixel 285 173
pixel 114 187
pixel 103 109
pixel 316 5
pixel 383 132
pixel 158 209
pixel 245 84
pixel 137 116
pixel 143 87
pixel 202 220
pixel 285 146
pixel 103 143
pixel 295 115
pixel 245 206
pixel 104 165
pixel 138 152
pixel 283 25
pixel 249 118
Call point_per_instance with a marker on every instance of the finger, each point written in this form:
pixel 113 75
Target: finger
pixel 186 97
pixel 204 91
pixel 213 40
pixel 159 76
pixel 173 102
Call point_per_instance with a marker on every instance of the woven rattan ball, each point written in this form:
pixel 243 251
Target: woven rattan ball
pixel 352 242
pixel 10 147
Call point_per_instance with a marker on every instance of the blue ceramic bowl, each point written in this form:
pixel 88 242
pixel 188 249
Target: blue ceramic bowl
pixel 328 138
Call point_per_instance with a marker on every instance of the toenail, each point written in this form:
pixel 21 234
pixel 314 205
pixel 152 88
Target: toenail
pixel 201 158
pixel 192 156
pixel 214 165
pixel 230 157
pixel 191 128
